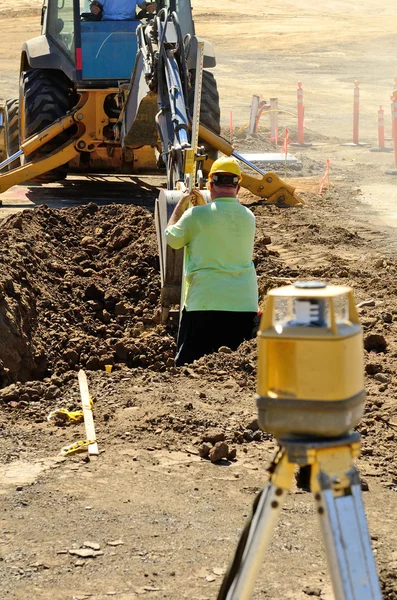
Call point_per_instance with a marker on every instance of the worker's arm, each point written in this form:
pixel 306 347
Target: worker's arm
pixel 195 197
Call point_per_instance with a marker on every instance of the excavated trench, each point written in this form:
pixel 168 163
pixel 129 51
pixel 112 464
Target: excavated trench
pixel 79 288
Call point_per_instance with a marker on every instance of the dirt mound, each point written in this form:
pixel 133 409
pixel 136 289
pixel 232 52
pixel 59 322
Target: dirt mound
pixel 77 286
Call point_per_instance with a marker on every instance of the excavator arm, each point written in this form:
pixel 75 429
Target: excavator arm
pixel 269 186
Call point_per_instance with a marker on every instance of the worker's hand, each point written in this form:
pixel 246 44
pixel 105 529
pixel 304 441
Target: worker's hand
pixel 185 199
pixel 196 197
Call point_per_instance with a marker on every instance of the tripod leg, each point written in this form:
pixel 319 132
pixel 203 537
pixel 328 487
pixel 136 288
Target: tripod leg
pixel 347 541
pixel 240 580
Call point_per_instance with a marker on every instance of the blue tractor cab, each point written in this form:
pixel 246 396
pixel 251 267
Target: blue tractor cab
pixel 108 49
pixel 88 51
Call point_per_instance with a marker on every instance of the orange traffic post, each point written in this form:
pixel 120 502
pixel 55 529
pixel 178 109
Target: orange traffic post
pixel 356 117
pixel 394 124
pixel 301 117
pixel 381 133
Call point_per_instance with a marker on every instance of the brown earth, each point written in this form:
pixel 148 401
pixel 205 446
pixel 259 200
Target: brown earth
pixel 79 288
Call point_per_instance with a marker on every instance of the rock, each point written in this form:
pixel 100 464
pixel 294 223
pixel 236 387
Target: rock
pixel 105 316
pixel 247 435
pixel 205 449
pixel 71 357
pixel 372 368
pixel 121 350
pixel 219 451
pixel 364 485
pixel 115 543
pixel 254 425
pixel 82 552
pixel 387 317
pixel 92 363
pixel 92 545
pixel 312 591
pixel 9 393
pixel 213 436
pixel 87 240
pixel 381 377
pixel 366 303
pixel 225 350
pixel 121 308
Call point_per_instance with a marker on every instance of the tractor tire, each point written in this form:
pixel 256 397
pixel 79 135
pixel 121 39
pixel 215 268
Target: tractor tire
pixel 46 95
pixel 12 130
pixel 210 112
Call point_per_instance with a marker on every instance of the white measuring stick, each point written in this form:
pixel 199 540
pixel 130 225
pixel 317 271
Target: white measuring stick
pixel 191 179
pixel 198 86
pixel 87 410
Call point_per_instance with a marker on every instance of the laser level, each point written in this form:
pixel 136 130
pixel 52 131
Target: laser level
pixel 310 396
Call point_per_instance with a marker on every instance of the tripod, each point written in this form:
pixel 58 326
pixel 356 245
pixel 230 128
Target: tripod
pixel 335 483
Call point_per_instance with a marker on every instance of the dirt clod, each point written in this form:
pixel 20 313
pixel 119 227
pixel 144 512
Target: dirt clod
pixel 219 451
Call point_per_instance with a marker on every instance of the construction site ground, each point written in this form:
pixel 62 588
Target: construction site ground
pixel 79 288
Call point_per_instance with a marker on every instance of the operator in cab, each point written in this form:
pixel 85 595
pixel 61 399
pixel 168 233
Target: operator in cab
pixel 221 291
pixel 119 10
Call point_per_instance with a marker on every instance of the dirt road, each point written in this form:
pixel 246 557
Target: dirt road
pixel 80 289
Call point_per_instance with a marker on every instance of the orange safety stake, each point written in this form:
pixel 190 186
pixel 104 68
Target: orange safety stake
pixel 301 118
pixel 286 142
pixel 325 179
pixel 356 117
pixel 381 133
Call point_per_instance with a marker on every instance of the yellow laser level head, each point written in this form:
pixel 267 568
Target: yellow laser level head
pixel 310 361
pixel 226 165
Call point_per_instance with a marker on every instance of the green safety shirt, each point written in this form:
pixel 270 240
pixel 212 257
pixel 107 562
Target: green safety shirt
pixel 219 241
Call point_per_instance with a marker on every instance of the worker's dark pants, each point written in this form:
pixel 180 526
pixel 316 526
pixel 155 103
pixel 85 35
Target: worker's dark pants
pixel 205 331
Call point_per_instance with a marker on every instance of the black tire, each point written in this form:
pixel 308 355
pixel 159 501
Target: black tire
pixel 12 130
pixel 210 112
pixel 47 95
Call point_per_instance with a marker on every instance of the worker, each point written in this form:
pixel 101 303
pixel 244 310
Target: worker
pixel 119 10
pixel 221 292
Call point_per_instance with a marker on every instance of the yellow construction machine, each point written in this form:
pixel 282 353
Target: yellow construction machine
pixel 117 96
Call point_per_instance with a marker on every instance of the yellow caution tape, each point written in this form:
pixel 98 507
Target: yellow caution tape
pixel 68 415
pixel 76 447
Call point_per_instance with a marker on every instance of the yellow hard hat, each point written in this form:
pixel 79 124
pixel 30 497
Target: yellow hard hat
pixel 226 164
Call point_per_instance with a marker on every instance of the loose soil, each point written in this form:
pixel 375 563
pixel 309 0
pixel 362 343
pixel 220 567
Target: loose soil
pixel 79 288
